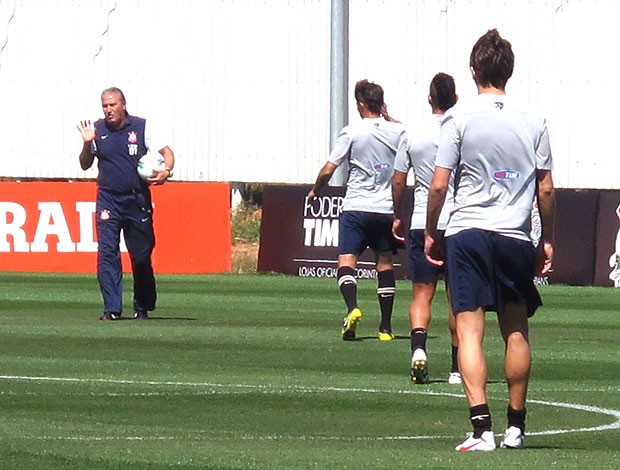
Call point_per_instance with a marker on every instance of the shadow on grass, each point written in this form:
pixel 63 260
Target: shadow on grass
pixel 375 338
pixel 150 318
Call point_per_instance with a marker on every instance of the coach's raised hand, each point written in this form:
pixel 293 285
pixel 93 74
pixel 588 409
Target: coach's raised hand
pixel 87 129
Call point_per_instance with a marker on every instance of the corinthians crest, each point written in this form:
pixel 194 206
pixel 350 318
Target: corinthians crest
pixel 132 143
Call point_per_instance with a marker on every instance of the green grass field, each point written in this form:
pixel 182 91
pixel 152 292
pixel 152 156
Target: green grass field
pixel 240 372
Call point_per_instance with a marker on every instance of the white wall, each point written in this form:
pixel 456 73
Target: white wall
pixel 242 86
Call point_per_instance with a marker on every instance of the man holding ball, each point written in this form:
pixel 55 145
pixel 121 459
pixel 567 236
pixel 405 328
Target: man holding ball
pixel 118 141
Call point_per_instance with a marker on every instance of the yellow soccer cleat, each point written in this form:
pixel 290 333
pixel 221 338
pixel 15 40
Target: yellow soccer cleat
pixel 350 323
pixel 385 336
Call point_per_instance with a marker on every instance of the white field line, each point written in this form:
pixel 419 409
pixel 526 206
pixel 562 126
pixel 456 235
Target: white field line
pixel 268 389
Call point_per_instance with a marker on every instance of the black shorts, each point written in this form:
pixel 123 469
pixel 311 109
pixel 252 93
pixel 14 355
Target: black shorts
pixel 488 270
pixel 420 269
pixel 359 230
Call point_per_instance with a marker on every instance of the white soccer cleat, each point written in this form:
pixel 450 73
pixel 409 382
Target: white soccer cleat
pixel 455 378
pixel 485 443
pixel 419 367
pixel 513 438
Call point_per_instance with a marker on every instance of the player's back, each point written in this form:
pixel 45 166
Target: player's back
pixel 501 146
pixel 423 140
pixel 374 142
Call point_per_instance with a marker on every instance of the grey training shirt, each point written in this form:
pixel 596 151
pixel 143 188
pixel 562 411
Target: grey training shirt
pixel 417 151
pixel 495 147
pixel 370 147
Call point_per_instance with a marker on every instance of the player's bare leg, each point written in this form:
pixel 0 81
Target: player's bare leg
pixel 455 374
pixel 420 319
pixel 470 331
pixel 420 309
pixel 514 327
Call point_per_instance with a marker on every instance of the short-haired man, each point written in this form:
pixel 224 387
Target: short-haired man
pixel 118 141
pixel 502 158
pixel 417 152
pixel 369 146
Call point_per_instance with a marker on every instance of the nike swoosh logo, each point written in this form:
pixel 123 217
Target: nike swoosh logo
pixel 479 417
pixel 103 137
pixel 465 449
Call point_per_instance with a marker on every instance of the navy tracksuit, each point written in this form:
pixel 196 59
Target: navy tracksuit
pixel 123 203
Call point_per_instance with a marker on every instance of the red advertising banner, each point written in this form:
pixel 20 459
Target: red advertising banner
pixel 50 227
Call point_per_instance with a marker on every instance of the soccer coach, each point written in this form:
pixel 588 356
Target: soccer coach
pixel 118 141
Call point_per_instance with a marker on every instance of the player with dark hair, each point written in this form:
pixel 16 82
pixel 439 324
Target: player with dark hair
pixel 369 147
pixel 118 141
pixel 417 152
pixel 371 95
pixel 502 158
pixel 442 93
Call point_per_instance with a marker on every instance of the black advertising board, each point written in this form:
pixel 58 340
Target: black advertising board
pixel 575 237
pixel 607 272
pixel 300 236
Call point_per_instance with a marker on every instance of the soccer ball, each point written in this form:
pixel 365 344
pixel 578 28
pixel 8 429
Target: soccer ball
pixel 149 163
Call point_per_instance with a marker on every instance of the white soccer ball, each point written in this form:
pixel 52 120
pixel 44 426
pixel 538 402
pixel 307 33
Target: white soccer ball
pixel 149 163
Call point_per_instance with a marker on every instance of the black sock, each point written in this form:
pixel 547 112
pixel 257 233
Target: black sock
pixel 418 339
pixel 385 292
pixel 480 418
pixel 455 359
pixel 348 286
pixel 516 418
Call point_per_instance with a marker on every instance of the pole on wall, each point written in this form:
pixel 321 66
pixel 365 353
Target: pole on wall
pixel 339 80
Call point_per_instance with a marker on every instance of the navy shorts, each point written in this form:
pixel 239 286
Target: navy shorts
pixel 420 269
pixel 488 270
pixel 359 230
